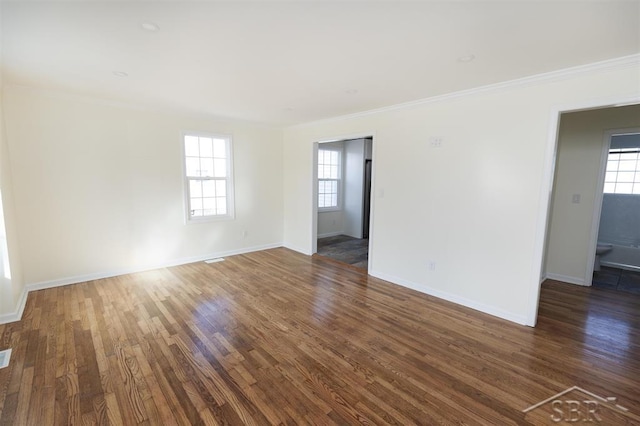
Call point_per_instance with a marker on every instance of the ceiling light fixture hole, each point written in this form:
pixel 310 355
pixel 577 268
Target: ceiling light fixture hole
pixel 466 58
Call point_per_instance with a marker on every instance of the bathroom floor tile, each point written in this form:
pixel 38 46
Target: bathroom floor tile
pixel 607 277
pixel 634 290
pixel 617 279
pixel 629 282
pixel 603 284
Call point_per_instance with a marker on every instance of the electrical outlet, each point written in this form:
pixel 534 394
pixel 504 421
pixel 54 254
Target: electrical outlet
pixel 432 266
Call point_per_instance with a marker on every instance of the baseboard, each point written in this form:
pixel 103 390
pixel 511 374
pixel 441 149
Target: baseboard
pixel 17 315
pixel 487 309
pixel 330 234
pixel 298 249
pixel 567 279
pixel 114 273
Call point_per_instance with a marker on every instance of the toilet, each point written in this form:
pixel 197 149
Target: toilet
pixel 601 249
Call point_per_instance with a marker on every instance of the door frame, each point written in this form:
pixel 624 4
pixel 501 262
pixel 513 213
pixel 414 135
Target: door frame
pixel 314 189
pixel 546 190
pixel 597 208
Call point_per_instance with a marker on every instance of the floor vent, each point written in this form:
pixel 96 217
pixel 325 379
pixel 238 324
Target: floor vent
pixel 216 260
pixel 4 358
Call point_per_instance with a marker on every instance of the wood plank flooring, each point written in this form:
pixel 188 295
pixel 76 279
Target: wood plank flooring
pixel 275 337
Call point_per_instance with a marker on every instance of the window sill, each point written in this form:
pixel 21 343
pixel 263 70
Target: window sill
pixel 208 219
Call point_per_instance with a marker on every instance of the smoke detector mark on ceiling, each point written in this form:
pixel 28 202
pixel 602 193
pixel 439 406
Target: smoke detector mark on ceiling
pixel 466 58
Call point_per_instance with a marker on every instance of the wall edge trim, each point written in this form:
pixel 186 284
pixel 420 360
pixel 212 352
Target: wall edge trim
pixel 330 234
pixel 296 248
pixel 17 314
pixel 567 279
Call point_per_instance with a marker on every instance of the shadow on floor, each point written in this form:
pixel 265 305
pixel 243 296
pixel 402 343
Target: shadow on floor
pixel 617 279
pixel 354 251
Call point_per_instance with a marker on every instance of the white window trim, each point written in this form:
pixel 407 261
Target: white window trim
pixel 230 181
pixel 340 180
pixel 636 172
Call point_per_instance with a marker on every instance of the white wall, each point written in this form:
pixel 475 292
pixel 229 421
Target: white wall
pixel 580 141
pixel 473 206
pixel 353 187
pixel 330 223
pixel 11 281
pixel 99 190
pixel 7 297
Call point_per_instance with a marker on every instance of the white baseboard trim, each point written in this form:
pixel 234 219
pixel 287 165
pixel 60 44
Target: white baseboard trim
pixel 487 309
pixel 17 315
pixel 114 273
pixel 330 234
pixel 298 249
pixel 567 279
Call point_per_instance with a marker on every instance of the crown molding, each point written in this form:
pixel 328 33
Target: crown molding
pixel 609 64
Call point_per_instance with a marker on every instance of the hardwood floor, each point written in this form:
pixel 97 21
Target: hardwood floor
pixel 275 337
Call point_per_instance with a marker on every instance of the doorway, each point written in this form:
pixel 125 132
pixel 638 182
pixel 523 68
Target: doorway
pixel 582 151
pixel 343 175
pixel 617 262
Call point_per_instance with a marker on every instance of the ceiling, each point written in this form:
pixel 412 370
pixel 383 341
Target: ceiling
pixel 297 61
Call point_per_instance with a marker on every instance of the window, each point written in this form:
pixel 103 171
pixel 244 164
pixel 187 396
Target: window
pixel 329 175
pixel 208 182
pixel 623 171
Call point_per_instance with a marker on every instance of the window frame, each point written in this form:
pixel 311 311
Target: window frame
pixel 339 180
pixel 634 183
pixel 229 187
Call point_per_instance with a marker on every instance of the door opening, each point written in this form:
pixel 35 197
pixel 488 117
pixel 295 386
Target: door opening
pixel 616 231
pixel 342 191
